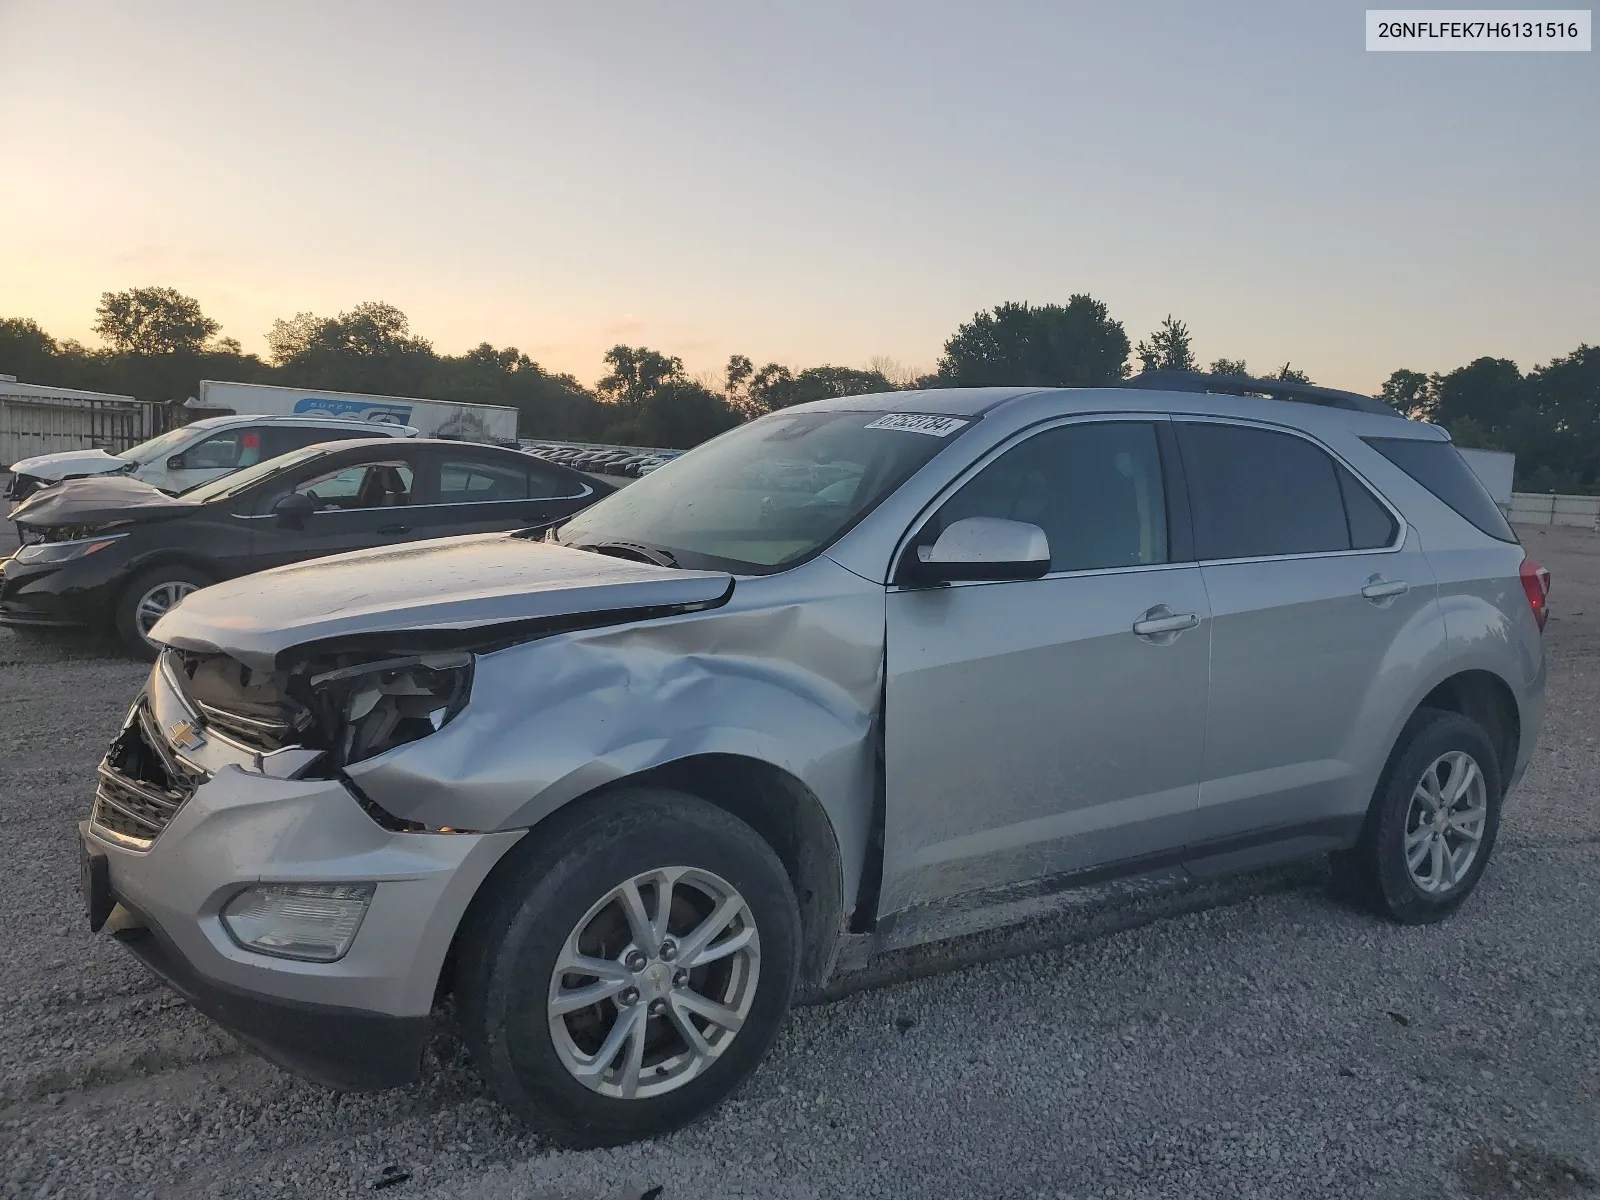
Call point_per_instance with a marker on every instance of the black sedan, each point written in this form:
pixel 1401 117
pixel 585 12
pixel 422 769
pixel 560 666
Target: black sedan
pixel 115 552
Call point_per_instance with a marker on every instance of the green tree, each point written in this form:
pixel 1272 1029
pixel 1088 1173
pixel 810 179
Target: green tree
pixel 1487 390
pixel 775 386
pixel 653 403
pixel 1168 348
pixel 679 413
pixel 636 374
pixel 26 351
pixel 548 405
pixel 1409 393
pixel 1229 366
pixel 1076 344
pixel 152 320
pixel 370 348
pixel 1558 423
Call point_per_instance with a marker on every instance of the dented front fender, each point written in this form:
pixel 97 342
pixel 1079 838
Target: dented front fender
pixel 551 720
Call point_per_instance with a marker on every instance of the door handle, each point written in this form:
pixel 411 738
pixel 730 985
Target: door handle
pixel 394 529
pixel 1152 626
pixel 1379 588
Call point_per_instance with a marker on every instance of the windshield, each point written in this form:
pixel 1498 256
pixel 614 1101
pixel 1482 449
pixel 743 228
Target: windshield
pixel 232 485
pixel 768 494
pixel 157 447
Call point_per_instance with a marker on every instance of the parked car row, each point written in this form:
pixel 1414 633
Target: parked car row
pixel 852 677
pixel 111 551
pixel 603 460
pixel 196 453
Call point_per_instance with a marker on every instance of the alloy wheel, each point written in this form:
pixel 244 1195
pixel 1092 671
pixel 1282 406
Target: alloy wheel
pixel 157 602
pixel 1445 822
pixel 654 983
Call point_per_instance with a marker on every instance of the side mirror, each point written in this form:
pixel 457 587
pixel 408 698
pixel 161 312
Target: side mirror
pixel 175 463
pixel 293 510
pixel 981 548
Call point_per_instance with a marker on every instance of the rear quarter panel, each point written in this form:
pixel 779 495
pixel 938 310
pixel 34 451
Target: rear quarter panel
pixel 1487 619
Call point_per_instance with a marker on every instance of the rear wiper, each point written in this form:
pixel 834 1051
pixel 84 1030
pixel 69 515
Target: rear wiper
pixel 660 558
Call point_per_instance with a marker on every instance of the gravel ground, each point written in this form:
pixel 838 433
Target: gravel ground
pixel 1251 1039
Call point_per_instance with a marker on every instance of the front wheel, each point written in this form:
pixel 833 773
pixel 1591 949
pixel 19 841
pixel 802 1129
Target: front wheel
pixel 630 968
pixel 1432 824
pixel 149 598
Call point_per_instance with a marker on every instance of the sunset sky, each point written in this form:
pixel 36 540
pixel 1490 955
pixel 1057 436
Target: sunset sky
pixel 808 182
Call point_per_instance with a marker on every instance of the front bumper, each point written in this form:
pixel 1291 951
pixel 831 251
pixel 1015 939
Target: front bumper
pixel 356 1023
pixel 346 1049
pixel 67 595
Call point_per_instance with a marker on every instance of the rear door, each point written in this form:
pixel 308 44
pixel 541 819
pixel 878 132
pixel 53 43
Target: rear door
pixel 281 439
pixel 477 490
pixel 1313 581
pixel 364 498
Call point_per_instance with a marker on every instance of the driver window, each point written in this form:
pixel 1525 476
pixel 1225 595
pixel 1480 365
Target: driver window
pixel 369 485
pixel 218 452
pixel 1095 490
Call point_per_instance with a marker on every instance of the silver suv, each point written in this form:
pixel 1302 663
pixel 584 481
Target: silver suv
pixel 858 675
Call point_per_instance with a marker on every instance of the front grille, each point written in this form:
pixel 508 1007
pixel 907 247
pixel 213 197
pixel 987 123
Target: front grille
pixel 251 732
pixel 237 703
pixel 142 785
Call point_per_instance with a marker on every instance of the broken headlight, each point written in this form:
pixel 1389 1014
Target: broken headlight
pixel 371 707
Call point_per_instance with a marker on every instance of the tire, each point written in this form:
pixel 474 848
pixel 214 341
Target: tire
pixel 550 891
pixel 131 621
pixel 1379 872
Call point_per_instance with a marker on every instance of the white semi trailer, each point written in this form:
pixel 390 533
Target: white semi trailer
pixel 431 418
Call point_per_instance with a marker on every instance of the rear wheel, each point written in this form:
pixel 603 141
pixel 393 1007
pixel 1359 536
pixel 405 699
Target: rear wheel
pixel 630 969
pixel 149 598
pixel 1432 825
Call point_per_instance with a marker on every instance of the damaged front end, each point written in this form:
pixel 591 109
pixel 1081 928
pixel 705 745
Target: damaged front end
pixel 20 486
pixel 347 707
pixel 325 711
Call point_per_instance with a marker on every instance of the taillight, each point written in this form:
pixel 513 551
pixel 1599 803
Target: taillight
pixel 1536 583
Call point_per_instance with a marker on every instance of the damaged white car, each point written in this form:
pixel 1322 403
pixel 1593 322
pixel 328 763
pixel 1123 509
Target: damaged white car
pixel 855 676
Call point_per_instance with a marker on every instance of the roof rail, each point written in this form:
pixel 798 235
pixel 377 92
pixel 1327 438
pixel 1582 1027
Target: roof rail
pixel 1242 385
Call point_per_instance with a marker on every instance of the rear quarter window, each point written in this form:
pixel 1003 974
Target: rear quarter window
pixel 1438 467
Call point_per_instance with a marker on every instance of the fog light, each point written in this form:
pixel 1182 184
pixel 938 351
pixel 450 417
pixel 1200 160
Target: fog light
pixel 311 921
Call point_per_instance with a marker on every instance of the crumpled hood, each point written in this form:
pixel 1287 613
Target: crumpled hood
pixel 69 462
pixel 104 500
pixel 462 584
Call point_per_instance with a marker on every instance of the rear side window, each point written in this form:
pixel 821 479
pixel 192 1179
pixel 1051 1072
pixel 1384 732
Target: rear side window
pixel 280 439
pixel 1438 467
pixel 1372 526
pixel 1255 493
pixel 470 481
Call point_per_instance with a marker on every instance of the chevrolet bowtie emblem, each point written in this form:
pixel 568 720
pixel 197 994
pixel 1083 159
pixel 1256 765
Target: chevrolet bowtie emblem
pixel 184 735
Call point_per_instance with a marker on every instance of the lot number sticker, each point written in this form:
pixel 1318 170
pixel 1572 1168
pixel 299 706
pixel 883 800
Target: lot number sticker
pixel 918 423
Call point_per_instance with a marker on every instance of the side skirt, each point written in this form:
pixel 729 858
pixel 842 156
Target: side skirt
pixel 1111 885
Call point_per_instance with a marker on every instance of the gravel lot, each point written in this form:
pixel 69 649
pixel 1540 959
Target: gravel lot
pixel 1251 1039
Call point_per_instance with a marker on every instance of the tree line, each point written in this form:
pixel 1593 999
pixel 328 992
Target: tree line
pixel 159 343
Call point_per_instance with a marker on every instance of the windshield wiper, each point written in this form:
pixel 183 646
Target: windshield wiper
pixel 659 558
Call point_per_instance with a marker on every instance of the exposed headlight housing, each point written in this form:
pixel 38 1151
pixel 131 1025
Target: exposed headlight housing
pixel 313 922
pixel 367 708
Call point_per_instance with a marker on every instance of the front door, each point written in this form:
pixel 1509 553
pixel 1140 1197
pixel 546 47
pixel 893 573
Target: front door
pixel 1030 731
pixel 1313 584
pixel 360 504
pixel 211 458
